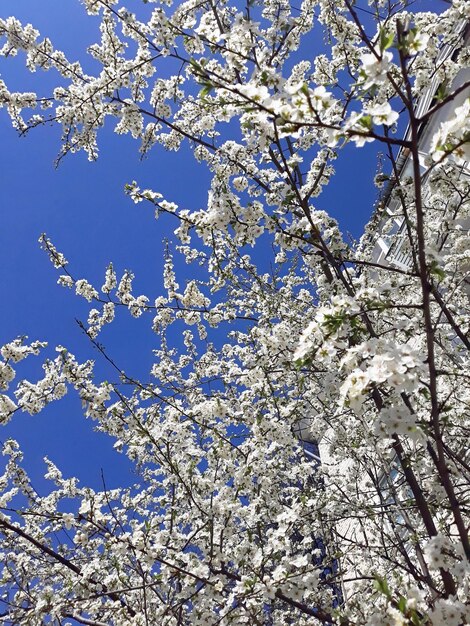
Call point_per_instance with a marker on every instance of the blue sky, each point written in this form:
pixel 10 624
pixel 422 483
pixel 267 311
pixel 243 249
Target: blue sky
pixel 83 209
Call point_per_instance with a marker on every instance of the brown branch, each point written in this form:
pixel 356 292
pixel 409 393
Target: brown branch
pixel 65 562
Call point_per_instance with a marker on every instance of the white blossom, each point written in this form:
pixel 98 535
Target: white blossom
pixel 298 443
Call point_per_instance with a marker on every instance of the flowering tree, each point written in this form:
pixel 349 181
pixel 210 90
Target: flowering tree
pixel 229 521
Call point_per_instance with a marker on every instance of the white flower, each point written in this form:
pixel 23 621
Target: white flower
pixel 306 342
pixel 356 123
pixel 374 68
pixel 110 279
pixel 438 552
pixel 448 612
pixel 321 97
pixel 453 136
pixel 7 408
pixel 240 183
pixel 416 41
pixel 382 114
pixel 65 281
pixel 84 289
pixel 16 350
pixel 7 374
pixel 254 92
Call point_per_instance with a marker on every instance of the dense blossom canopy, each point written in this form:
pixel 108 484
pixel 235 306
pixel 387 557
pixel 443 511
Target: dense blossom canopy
pixel 230 521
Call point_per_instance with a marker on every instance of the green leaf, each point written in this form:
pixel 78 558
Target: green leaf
pixel 205 91
pixel 365 121
pixel 386 39
pixel 441 93
pixel 402 605
pixel 382 586
pixel 437 271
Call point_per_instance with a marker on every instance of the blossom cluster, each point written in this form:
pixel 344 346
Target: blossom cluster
pixel 299 443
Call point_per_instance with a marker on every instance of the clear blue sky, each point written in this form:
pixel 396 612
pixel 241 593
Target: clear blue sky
pixel 83 209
